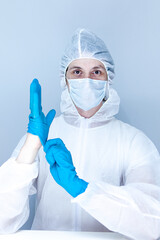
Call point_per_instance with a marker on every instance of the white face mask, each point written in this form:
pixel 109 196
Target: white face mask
pixel 87 93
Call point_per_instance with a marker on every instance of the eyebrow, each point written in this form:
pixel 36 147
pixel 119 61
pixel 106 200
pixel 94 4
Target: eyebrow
pixel 99 66
pixel 75 67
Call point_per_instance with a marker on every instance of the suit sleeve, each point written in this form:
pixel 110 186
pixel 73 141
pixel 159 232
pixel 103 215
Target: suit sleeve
pixel 17 182
pixel 134 208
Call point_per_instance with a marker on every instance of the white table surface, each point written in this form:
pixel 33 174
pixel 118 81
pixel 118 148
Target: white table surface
pixel 61 235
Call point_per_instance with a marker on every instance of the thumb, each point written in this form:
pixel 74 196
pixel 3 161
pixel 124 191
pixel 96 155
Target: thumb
pixel 50 116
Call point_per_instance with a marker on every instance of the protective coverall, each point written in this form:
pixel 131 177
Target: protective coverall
pixel 121 165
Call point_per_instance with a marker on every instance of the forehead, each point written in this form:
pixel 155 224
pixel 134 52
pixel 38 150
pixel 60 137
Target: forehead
pixel 86 63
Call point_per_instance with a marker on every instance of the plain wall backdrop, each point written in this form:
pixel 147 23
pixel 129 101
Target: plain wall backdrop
pixel 33 35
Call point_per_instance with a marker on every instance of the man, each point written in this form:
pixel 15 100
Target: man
pixel 101 174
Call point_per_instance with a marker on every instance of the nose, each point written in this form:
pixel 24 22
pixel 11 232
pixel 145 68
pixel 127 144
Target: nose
pixel 87 75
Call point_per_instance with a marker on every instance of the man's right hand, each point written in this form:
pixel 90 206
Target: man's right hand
pixel 38 123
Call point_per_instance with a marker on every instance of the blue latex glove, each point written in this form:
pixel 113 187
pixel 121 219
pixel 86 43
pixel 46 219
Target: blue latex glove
pixel 62 169
pixel 38 123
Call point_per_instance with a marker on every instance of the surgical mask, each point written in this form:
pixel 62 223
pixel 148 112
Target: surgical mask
pixel 87 93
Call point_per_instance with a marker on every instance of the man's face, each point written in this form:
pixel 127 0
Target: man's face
pixel 86 68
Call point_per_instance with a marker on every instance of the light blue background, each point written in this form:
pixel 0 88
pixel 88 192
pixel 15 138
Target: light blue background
pixel 33 35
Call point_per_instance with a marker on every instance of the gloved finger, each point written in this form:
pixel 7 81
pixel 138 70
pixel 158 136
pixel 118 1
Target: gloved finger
pixel 61 155
pixel 32 90
pixel 35 108
pixel 54 172
pixel 50 157
pixel 35 98
pixel 50 116
pixel 53 142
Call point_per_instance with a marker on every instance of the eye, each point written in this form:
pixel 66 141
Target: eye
pixel 76 72
pixel 97 72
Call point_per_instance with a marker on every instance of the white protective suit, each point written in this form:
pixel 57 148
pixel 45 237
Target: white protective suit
pixel 121 165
